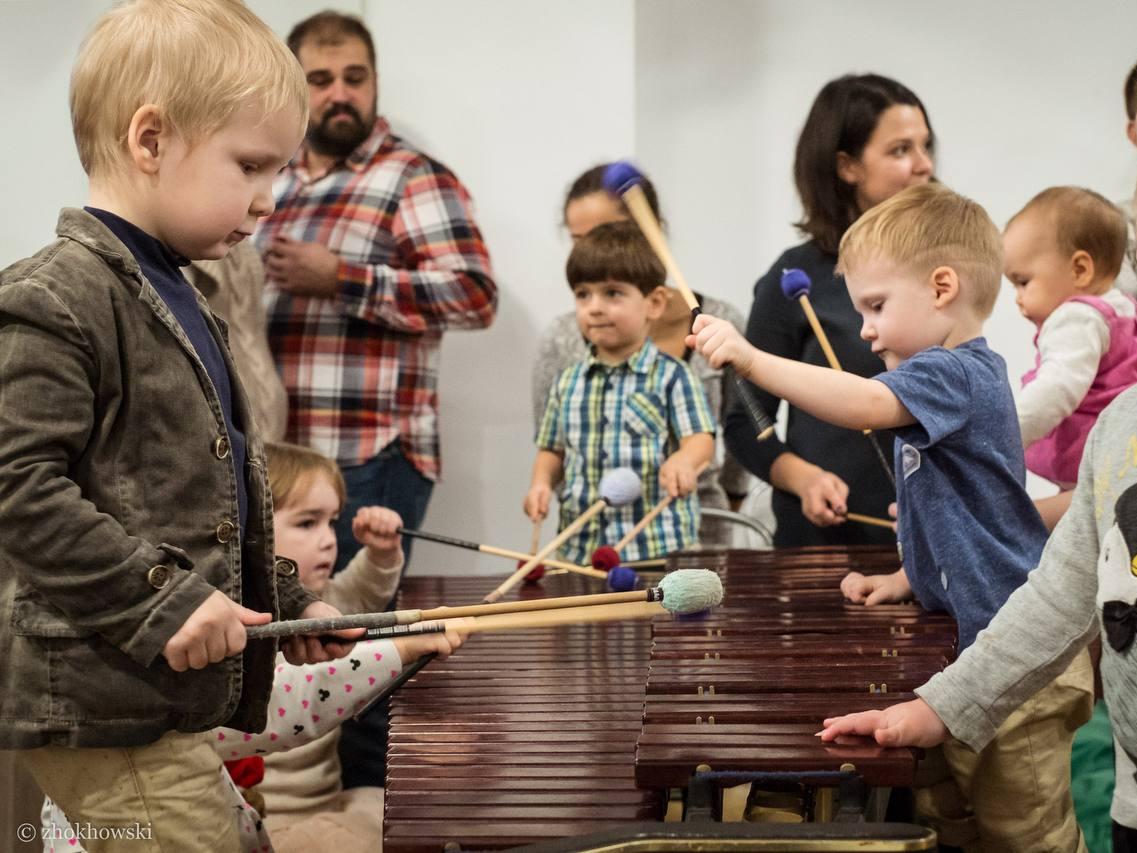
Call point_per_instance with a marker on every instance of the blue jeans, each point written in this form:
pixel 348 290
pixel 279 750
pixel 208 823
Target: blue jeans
pixel 386 480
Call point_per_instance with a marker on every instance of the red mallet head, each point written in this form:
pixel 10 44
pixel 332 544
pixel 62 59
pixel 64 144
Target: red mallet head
pixel 605 558
pixel 536 574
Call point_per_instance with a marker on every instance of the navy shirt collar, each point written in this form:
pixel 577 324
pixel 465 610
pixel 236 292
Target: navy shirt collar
pixel 147 250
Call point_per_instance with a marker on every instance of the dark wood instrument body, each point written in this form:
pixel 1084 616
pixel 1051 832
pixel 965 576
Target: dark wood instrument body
pixel 536 735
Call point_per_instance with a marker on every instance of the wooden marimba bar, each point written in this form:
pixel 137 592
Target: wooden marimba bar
pixel 536 735
pixel 519 737
pixel 746 688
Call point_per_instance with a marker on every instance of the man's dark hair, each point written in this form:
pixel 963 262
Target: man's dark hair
pixel 330 28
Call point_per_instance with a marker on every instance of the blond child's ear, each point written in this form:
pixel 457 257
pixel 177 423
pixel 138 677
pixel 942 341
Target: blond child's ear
pixel 657 303
pixel 1082 268
pixel 945 281
pixel 147 138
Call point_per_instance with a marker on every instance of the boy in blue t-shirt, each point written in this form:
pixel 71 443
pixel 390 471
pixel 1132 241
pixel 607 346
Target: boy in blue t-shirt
pixel 923 269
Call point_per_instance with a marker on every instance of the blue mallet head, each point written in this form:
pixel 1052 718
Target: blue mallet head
pixel 621 176
pixel 795 283
pixel 622 579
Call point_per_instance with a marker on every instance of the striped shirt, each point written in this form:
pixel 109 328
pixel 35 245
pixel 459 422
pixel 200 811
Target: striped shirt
pixel 628 415
pixel 361 369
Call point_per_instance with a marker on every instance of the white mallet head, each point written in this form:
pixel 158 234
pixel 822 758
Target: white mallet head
pixel 620 486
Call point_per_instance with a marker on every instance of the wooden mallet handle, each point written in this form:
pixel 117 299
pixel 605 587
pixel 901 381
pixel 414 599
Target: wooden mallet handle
pixel 496 552
pixel 521 621
pixel 642 524
pixel 637 204
pixel 869 519
pixel 562 537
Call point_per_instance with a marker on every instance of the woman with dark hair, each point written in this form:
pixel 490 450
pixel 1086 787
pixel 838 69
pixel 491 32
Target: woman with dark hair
pixel 588 204
pixel 866 138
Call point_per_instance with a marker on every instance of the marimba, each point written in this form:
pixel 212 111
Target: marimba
pixel 537 735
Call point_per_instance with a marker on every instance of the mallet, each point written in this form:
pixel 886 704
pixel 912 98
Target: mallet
pixel 495 551
pixel 679 590
pixel 624 179
pixel 796 285
pixel 683 591
pixel 607 557
pixel 618 487
pixel 869 519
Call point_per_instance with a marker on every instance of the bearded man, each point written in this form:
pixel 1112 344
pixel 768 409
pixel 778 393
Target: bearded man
pixel 372 252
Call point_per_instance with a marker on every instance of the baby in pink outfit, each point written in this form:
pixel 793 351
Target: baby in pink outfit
pixel 1062 253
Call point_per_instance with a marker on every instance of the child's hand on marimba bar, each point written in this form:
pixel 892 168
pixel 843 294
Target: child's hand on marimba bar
pixel 876 589
pixel 907 724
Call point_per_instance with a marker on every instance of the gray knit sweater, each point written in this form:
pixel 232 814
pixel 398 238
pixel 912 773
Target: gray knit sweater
pixel 1090 559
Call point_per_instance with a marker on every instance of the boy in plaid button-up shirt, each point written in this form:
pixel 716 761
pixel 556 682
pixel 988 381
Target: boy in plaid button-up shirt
pixel 626 405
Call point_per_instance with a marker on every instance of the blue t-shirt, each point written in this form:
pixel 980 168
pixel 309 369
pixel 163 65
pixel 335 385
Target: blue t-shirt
pixel 969 531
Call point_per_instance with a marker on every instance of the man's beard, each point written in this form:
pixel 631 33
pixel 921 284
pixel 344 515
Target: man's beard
pixel 338 138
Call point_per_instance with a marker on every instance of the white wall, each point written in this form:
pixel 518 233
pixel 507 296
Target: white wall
pixel 1021 95
pixel 518 97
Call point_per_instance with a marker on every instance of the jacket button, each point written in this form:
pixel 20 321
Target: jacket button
pixel 221 446
pixel 225 531
pixel 158 576
pixel 284 567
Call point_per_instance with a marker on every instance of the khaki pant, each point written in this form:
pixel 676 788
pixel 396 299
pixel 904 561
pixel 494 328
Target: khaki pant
pixel 1014 795
pixel 162 797
pixel 352 822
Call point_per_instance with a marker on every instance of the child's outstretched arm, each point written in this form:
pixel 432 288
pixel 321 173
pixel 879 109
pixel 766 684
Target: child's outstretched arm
pixel 679 474
pixel 369 582
pixel 842 399
pixel 309 701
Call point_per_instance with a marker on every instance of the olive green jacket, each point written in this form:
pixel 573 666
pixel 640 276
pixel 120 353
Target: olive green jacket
pixel 118 508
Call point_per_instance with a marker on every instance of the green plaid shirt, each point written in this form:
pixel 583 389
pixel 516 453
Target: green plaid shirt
pixel 628 415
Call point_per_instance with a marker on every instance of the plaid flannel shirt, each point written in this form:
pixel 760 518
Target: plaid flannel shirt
pixel 361 369
pixel 628 415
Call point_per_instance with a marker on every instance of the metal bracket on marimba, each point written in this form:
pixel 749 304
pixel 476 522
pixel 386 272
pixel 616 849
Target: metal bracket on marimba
pixel 888 653
pixel 883 688
pixel 709 691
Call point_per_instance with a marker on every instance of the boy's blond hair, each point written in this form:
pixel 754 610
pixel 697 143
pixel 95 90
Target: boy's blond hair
pixel 928 226
pixel 292 469
pixel 1083 221
pixel 197 60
